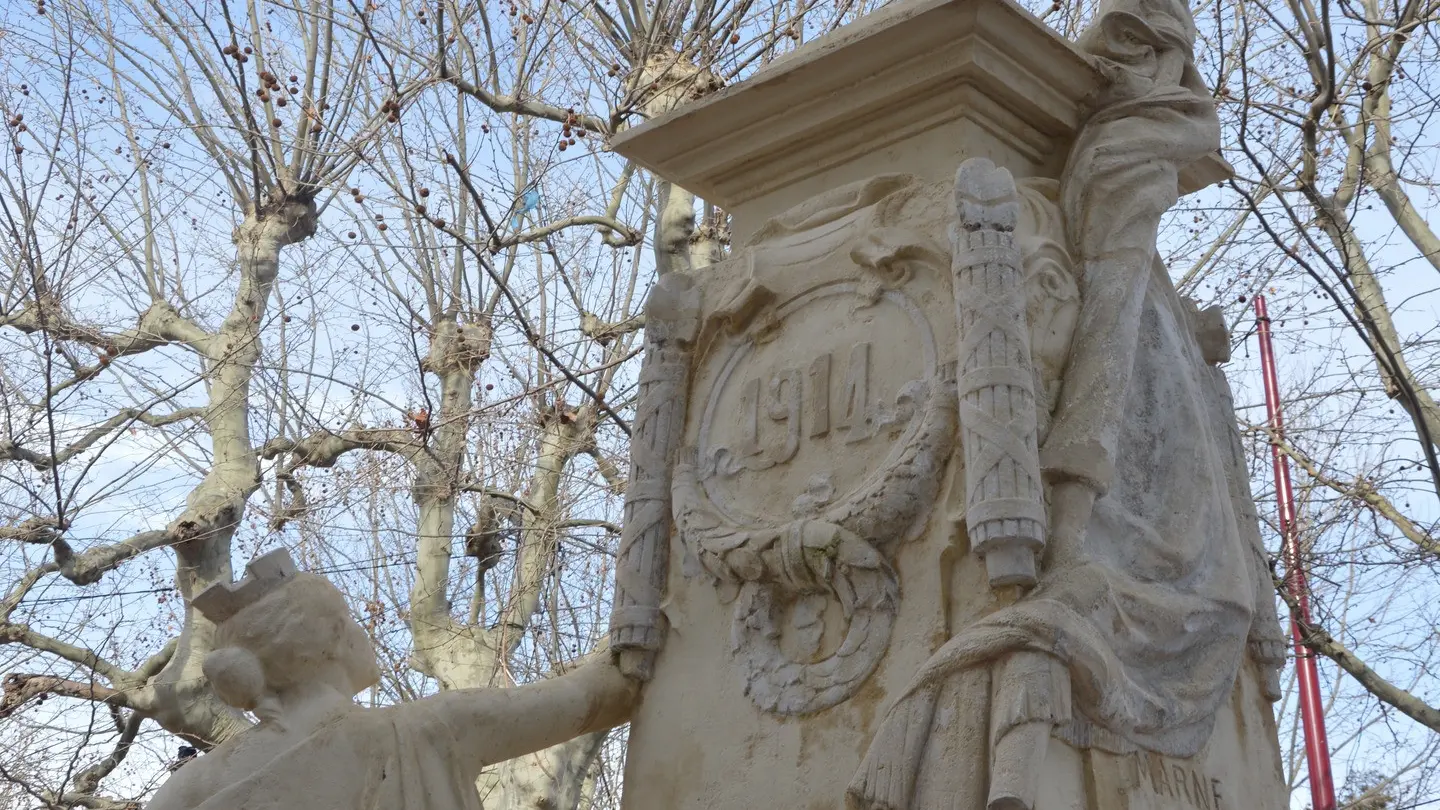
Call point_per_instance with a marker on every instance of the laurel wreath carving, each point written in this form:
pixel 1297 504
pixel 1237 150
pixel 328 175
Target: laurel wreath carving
pixel 829 550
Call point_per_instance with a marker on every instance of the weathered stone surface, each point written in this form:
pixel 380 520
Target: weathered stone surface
pixel 916 87
pixel 960 519
pixel 1061 602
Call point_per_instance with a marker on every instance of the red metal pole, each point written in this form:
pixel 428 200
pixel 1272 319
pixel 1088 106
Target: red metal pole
pixel 1312 710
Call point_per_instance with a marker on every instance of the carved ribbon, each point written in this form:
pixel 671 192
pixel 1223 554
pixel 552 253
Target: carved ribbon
pixel 832 554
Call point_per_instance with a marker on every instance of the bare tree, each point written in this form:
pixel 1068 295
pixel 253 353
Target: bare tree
pixel 414 366
pixel 362 279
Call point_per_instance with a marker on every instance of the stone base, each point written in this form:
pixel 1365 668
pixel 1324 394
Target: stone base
pixel 1237 770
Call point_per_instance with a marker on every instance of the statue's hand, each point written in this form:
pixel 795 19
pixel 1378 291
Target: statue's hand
pixel 1269 654
pixel 637 665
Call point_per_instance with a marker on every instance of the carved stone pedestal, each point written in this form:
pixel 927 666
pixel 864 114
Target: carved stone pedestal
pixel 1238 769
pixel 958 516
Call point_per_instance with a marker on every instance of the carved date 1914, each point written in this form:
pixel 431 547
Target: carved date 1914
pixel 803 404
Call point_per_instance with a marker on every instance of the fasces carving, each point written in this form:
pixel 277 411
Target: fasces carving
pixel 637 627
pixel 829 539
pixel 1005 500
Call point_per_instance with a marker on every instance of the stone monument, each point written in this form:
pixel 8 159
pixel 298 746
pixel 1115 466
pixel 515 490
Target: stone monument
pixel 938 499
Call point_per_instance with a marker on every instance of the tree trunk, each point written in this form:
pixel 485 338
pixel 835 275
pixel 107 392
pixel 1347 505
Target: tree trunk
pixel 179 697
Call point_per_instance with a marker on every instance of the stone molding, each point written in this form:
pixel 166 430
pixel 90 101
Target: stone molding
pixel 896 73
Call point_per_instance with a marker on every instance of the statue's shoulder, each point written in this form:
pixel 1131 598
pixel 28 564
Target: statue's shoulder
pixel 185 789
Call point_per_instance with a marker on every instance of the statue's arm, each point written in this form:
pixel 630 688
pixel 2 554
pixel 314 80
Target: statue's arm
pixel 492 725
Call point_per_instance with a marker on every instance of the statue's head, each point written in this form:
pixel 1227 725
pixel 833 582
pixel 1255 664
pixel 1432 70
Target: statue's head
pixel 1127 30
pixel 278 629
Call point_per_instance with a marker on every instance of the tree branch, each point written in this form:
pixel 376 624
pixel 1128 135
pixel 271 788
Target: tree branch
pixel 1319 640
pixel 89 780
pixel 609 470
pixel 501 494
pixel 20 689
pixel 526 107
pixel 12 451
pixel 159 325
pixel 22 634
pixel 87 567
pixel 628 236
pixel 325 448
pixel 1366 493
pixel 604 332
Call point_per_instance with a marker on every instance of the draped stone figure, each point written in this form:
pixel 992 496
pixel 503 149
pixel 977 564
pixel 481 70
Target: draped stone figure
pixel 289 652
pixel 1135 631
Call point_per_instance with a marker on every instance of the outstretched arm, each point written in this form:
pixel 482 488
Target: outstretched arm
pixel 492 725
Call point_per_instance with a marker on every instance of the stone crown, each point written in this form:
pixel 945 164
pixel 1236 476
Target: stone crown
pixel 263 575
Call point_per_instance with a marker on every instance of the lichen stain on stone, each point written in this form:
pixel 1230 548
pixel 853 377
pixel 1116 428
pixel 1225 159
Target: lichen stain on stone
pixel 870 697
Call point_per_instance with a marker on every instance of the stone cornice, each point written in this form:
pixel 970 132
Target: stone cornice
pixel 905 69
